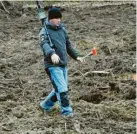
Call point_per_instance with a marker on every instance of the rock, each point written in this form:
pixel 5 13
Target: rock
pixel 18 113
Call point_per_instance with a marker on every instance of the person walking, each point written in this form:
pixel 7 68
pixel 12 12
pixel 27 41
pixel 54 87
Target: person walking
pixel 55 61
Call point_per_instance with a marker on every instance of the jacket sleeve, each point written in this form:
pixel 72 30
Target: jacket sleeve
pixel 70 50
pixel 45 44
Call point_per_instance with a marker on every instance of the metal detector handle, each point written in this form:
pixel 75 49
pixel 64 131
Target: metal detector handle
pixel 87 55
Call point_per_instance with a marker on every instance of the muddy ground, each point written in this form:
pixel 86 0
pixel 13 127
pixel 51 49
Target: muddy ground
pixel 103 103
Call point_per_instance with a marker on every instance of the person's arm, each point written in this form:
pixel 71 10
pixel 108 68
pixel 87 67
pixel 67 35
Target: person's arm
pixel 73 52
pixel 47 49
pixel 70 50
pixel 45 45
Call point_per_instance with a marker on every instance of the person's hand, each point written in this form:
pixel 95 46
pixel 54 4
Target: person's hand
pixel 80 59
pixel 55 58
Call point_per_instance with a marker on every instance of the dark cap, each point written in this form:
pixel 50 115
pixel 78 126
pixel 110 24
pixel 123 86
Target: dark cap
pixel 54 13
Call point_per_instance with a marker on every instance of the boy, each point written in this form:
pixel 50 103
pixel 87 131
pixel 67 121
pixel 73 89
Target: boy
pixel 55 60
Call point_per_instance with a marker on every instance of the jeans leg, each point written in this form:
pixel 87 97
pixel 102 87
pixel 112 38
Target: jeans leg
pixel 59 81
pixel 64 103
pixel 49 102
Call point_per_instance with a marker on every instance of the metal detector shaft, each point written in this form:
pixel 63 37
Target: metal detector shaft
pixel 42 17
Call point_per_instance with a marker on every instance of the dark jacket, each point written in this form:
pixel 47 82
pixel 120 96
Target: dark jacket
pixel 61 44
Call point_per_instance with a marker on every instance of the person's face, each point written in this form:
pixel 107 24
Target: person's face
pixel 55 21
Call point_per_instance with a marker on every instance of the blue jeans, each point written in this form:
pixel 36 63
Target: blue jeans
pixel 58 77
